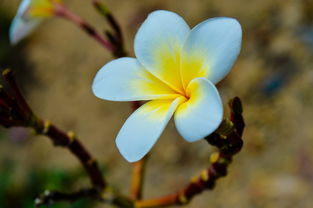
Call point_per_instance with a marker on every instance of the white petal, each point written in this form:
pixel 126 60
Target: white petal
pixel 202 113
pixel 21 27
pixel 158 45
pixel 211 49
pixel 125 79
pixel 144 127
pixel 23 7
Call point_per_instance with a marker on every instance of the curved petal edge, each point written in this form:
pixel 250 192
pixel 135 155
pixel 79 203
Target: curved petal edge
pixel 143 128
pixel 202 113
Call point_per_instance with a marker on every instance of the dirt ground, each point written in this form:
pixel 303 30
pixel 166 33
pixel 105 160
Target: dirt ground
pixel 273 76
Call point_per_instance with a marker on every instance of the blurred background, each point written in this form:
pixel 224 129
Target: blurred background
pixel 273 76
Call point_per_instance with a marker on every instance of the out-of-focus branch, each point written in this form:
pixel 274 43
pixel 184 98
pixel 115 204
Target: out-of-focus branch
pixel 62 11
pixel 14 111
pixel 138 176
pixel 17 112
pixel 228 141
pixel 50 197
pixel 113 40
pixel 21 114
pixel 138 172
pixel 114 43
pixel 71 142
pixel 115 37
pixel 108 196
pixel 107 14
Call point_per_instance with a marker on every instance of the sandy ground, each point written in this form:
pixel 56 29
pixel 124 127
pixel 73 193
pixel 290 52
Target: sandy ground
pixel 273 76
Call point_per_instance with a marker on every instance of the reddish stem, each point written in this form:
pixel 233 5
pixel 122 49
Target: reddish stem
pixel 138 179
pixel 61 11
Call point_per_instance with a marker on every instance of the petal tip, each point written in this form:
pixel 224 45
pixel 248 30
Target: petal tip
pixel 235 25
pixel 13 35
pixel 124 151
pixel 193 138
pixel 21 28
pixel 161 12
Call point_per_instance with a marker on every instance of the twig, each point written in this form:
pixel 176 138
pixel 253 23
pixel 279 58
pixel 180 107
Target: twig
pixel 114 43
pixel 138 173
pixel 136 189
pixel 9 78
pixel 116 38
pixel 106 13
pixel 16 112
pixel 61 11
pixel 71 142
pixel 228 141
pixel 50 197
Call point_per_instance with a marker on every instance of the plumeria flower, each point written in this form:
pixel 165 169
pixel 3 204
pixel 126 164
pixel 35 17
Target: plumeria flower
pixel 29 15
pixel 175 71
